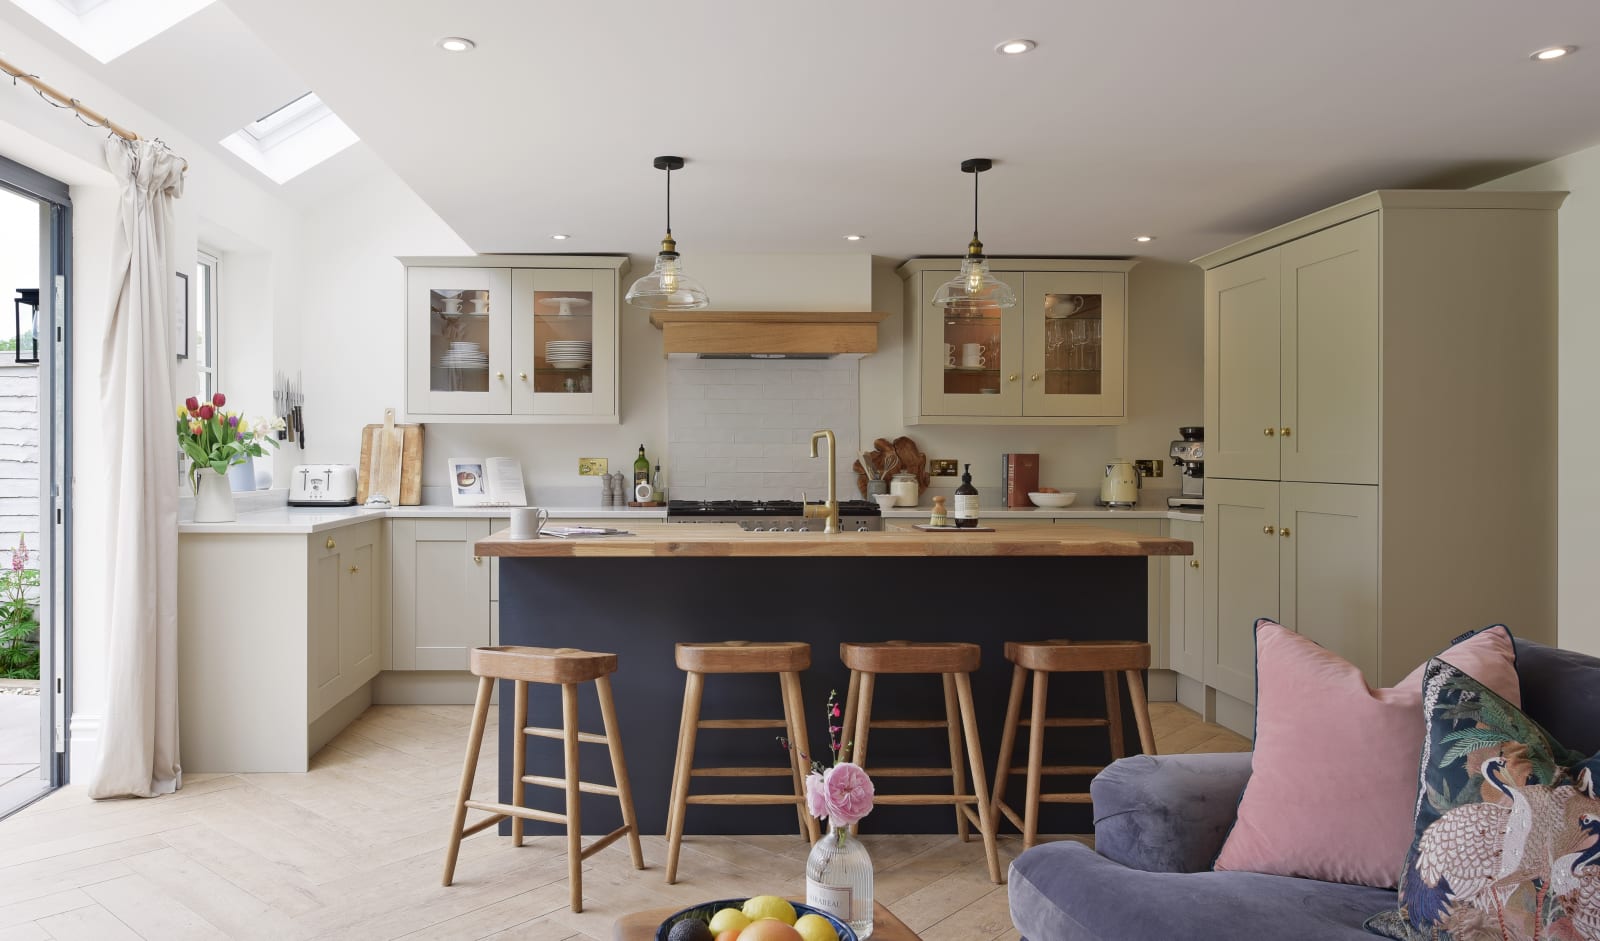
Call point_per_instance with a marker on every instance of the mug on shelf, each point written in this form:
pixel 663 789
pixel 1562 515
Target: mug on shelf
pixel 527 522
pixel 972 355
pixel 450 305
pixel 949 354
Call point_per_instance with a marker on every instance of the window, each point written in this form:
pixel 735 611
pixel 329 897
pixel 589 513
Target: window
pixel 205 327
pixel 291 139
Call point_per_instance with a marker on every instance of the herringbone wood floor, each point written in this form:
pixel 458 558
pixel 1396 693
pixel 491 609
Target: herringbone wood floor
pixel 353 850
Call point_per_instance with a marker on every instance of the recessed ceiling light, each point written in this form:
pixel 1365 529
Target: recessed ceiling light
pixel 852 238
pixel 456 44
pixel 1144 238
pixel 560 237
pixel 1554 52
pixel 1015 47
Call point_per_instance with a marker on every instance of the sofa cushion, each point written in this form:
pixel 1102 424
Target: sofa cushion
pixel 1067 892
pixel 1334 776
pixel 1506 826
pixel 1561 691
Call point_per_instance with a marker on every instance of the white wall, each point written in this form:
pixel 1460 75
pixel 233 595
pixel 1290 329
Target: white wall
pixel 216 197
pixel 1578 382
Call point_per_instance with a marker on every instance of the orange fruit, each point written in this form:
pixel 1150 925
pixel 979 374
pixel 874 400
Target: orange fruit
pixel 769 929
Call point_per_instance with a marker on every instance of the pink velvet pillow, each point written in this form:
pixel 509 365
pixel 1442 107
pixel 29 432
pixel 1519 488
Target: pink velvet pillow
pixel 1333 782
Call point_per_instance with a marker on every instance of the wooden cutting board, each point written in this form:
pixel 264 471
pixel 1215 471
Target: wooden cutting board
pixel 410 451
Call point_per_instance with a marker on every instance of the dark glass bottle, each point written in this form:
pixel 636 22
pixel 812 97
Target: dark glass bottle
pixel 641 468
pixel 966 508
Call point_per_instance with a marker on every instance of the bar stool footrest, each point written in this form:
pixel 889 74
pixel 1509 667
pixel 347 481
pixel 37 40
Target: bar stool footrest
pixel 746 799
pixel 1062 770
pixel 507 810
pixel 743 724
pixel 741 772
pixel 604 841
pixel 909 723
pixel 911 772
pixel 1065 799
pixel 1069 722
pixel 558 784
pixel 925 799
pixel 587 738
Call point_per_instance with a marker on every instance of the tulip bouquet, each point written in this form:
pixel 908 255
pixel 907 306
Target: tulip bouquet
pixel 841 794
pixel 216 439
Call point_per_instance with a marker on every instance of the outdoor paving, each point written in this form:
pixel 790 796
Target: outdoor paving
pixel 19 737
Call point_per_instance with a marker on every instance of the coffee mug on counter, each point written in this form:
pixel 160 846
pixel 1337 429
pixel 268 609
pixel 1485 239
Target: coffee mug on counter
pixel 972 355
pixel 527 522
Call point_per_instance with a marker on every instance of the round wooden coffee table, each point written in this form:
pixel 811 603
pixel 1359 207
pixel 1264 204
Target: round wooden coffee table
pixel 641 926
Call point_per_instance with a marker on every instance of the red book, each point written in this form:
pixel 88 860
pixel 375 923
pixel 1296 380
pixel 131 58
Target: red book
pixel 1021 478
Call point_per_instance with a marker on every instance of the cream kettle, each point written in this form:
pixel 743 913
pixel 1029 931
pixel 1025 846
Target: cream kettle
pixel 1120 486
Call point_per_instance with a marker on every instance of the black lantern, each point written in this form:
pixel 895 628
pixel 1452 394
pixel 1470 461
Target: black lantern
pixel 29 298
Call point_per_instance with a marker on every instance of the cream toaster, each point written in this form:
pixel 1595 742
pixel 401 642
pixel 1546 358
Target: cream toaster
pixel 322 485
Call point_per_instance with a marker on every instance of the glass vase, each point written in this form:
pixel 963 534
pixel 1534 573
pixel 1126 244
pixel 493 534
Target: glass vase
pixel 839 879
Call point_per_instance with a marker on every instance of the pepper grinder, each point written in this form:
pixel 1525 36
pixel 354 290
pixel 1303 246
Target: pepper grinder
pixel 938 518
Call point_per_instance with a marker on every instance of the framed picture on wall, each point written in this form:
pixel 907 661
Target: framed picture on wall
pixel 180 314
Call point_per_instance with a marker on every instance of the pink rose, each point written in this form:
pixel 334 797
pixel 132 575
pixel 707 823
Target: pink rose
pixel 849 794
pixel 816 799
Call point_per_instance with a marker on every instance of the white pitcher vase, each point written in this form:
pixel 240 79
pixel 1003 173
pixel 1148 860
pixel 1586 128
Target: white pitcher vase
pixel 213 499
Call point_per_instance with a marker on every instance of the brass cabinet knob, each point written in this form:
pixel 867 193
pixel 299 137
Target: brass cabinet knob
pixel 477 560
pixel 1268 530
pixel 330 542
pixel 523 376
pixel 1012 378
pixel 1269 432
pixel 1034 378
pixel 499 375
pixel 1285 432
pixel 1194 563
pixel 1284 532
pixel 355 569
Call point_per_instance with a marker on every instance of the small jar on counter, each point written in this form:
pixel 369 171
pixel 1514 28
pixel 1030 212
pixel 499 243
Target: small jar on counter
pixel 904 487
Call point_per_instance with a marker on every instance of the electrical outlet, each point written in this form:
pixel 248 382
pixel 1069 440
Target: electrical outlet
pixel 592 466
pixel 943 467
pixel 1150 468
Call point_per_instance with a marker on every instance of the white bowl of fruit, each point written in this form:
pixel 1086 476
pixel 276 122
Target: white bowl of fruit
pixel 1052 498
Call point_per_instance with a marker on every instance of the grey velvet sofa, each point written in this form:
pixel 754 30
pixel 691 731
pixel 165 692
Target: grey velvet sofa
pixel 1160 821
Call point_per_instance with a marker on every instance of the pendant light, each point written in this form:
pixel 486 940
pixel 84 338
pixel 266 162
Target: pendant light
pixel 666 287
pixel 974 289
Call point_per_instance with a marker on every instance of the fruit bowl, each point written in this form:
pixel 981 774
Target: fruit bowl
pixel 705 910
pixel 1052 499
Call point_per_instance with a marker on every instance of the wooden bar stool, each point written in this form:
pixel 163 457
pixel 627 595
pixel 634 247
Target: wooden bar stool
pixel 786 659
pixel 954 662
pixel 1039 659
pixel 567 668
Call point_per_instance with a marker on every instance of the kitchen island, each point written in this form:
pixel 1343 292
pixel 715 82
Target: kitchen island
pixel 638 595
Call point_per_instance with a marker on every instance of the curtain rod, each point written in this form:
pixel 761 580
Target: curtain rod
pixel 59 100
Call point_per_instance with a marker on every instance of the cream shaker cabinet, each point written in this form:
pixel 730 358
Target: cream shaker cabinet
pixel 520 338
pixel 1348 355
pixel 1304 555
pixel 441 606
pixel 1059 357
pixel 344 614
pixel 1185 600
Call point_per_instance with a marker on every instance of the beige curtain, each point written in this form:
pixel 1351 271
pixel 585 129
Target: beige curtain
pixel 139 734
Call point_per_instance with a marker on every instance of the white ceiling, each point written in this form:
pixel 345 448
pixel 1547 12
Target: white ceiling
pixel 1199 123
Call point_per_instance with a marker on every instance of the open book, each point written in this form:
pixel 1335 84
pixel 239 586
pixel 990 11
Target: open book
pixel 494 481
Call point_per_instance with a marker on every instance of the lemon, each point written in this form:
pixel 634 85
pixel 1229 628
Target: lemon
pixel 815 928
pixel 729 919
pixel 769 906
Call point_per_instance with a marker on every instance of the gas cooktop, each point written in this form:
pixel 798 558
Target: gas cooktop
pixel 761 508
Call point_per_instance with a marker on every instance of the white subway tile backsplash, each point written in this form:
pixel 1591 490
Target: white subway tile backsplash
pixel 740 428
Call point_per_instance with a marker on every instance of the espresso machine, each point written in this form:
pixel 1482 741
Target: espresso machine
pixel 1189 455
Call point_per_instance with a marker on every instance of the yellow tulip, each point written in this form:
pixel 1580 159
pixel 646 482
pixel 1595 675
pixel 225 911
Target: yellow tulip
pixel 244 427
pixel 183 412
pixel 195 428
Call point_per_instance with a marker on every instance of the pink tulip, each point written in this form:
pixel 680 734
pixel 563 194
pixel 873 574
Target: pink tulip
pixel 206 412
pixel 219 400
pixel 848 791
pixel 816 798
pixel 192 404
pixel 195 428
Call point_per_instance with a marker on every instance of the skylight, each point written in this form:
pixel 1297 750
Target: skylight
pixel 292 139
pixel 106 29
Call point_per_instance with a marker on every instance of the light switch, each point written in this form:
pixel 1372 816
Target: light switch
pixel 592 466
pixel 943 467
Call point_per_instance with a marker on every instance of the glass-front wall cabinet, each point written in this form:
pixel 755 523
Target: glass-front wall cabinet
pixel 458 350
pixel 1058 354
pixel 539 342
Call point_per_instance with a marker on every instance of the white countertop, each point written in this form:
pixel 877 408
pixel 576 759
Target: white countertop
pixel 293 520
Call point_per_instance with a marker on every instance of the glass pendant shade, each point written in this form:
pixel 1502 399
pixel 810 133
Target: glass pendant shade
pixel 974 289
pixel 667 288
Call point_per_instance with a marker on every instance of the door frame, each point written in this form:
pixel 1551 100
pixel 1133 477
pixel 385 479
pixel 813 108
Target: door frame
pixel 55 465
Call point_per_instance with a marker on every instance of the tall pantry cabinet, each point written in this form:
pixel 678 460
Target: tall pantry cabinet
pixel 1380 406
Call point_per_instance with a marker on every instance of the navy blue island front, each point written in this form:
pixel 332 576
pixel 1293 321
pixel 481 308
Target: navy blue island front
pixel 638 595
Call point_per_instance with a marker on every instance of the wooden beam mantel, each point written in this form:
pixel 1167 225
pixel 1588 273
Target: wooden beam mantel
pixel 731 332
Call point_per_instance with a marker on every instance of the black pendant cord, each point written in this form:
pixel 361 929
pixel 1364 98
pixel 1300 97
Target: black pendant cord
pixel 975 206
pixel 669 201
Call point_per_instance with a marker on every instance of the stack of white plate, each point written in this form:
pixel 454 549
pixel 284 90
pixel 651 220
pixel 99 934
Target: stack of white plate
pixel 464 354
pixel 568 354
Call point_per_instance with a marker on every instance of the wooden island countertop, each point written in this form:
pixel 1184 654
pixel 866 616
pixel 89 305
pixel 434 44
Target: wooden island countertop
pixel 703 540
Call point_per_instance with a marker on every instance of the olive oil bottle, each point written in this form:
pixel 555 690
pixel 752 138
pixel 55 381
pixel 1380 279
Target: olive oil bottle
pixel 966 509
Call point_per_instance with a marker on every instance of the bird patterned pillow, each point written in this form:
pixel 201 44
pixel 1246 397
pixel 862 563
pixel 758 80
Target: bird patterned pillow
pixel 1507 826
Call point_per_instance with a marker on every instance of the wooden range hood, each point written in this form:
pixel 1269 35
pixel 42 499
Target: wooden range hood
pixel 759 334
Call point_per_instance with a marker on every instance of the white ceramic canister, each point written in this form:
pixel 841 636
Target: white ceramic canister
pixel 904 488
